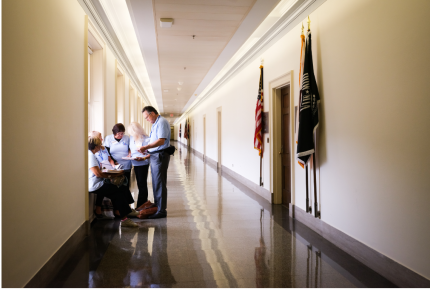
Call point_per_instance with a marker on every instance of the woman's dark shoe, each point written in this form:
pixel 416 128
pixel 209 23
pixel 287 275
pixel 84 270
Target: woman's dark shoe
pixel 117 216
pixel 100 216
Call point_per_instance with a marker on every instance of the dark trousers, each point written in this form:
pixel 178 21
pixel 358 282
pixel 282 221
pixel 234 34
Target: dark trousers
pixel 142 183
pixel 129 197
pixel 127 173
pixel 126 192
pixel 118 196
pixel 159 165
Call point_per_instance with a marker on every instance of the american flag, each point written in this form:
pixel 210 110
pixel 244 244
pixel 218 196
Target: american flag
pixel 258 144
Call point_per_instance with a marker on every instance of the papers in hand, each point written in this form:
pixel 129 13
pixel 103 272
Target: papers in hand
pixel 128 158
pixel 107 167
pixel 111 171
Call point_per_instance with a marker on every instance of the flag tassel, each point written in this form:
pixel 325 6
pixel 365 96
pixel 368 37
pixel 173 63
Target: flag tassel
pixel 317 213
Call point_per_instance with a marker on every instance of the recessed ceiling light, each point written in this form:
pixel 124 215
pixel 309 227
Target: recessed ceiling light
pixel 180 83
pixel 166 22
pixel 179 88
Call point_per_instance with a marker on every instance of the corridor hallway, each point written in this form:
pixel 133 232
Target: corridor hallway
pixel 217 233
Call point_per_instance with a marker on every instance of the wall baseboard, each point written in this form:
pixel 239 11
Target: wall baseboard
pixel 54 264
pixel 197 153
pixel 211 162
pixel 391 270
pixel 261 191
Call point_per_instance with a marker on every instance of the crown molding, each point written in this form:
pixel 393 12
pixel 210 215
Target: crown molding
pixel 116 47
pixel 280 26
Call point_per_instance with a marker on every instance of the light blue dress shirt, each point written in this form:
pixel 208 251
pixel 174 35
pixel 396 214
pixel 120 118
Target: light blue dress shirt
pixel 160 129
pixel 94 182
pixel 135 153
pixel 102 155
pixel 119 149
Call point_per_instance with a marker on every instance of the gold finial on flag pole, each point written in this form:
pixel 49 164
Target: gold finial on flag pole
pixel 309 24
pixel 302 27
pixel 262 62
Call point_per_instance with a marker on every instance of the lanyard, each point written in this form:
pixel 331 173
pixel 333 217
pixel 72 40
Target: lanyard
pixel 101 154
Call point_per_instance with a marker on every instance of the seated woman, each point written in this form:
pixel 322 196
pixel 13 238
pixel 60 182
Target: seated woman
pixel 138 138
pixel 103 155
pixel 117 144
pixel 99 186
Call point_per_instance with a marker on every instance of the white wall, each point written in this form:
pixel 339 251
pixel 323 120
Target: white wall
pixel 127 102
pixel 97 90
pixel 371 60
pixel 43 131
pixel 110 92
pixel 44 157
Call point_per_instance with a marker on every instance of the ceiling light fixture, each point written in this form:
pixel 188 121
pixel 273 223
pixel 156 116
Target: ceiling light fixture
pixel 179 88
pixel 180 83
pixel 166 22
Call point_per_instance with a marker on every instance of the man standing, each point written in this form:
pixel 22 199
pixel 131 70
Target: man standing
pixel 159 160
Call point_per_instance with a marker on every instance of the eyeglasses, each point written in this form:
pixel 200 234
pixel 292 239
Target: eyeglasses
pixel 146 118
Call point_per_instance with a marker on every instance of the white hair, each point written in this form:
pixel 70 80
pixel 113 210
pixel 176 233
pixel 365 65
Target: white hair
pixel 94 134
pixel 136 130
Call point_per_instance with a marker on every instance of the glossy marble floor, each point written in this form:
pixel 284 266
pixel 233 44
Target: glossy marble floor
pixel 218 233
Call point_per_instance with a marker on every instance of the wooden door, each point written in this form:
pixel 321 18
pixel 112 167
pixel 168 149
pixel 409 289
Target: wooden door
pixel 285 149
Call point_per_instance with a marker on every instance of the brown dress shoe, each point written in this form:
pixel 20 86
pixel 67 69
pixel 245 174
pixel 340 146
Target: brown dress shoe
pixel 143 214
pixel 145 205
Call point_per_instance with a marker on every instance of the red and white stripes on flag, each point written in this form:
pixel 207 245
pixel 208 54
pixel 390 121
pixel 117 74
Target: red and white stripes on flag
pixel 258 144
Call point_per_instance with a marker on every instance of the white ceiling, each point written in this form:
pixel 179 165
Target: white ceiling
pixel 171 55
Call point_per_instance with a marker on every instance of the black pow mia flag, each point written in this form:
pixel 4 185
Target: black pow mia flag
pixel 308 107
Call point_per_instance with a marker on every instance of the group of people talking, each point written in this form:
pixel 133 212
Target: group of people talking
pixel 140 151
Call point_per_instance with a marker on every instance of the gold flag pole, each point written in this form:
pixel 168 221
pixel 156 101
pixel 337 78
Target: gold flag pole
pixel 308 208
pixel 317 213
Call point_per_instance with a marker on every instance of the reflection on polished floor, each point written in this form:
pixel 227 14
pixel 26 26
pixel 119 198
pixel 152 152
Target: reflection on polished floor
pixel 217 233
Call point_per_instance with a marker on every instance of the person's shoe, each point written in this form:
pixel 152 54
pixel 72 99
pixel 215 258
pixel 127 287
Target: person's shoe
pixel 133 213
pixel 158 215
pixel 101 216
pixel 129 223
pixel 143 214
pixel 146 205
